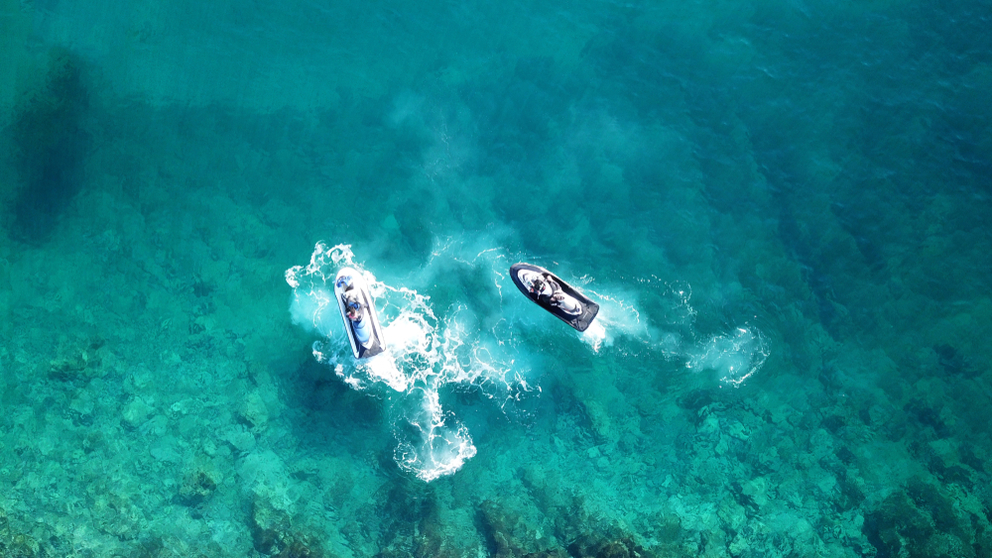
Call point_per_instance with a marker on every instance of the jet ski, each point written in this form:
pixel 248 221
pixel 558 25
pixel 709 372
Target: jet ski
pixel 550 292
pixel 361 322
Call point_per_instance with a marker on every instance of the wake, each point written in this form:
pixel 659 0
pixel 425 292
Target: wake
pixel 477 341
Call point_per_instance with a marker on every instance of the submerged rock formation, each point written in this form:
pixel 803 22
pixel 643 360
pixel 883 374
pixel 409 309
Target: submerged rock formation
pixel 49 145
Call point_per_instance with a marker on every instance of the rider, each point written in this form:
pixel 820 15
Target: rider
pixel 549 292
pixel 353 306
pixel 355 311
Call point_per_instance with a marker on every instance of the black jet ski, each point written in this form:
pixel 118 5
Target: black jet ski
pixel 361 322
pixel 550 292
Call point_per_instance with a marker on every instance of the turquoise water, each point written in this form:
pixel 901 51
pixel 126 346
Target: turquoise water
pixel 782 207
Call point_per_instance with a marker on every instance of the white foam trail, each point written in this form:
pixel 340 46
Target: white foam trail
pixel 408 334
pixel 312 304
pixel 735 357
pixel 616 317
pixel 476 341
pixel 423 352
pixel 440 445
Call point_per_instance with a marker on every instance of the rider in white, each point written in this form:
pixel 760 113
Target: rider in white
pixel 549 291
pixel 355 311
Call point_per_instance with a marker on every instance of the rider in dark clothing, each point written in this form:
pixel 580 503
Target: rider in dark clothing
pixel 549 292
pixel 544 288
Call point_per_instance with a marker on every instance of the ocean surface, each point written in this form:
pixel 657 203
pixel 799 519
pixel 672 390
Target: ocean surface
pixel 782 206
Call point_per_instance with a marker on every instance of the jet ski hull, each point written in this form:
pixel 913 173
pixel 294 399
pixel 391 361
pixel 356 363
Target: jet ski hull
pixel 579 321
pixel 374 345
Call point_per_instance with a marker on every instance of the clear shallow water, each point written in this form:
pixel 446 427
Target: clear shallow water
pixel 781 207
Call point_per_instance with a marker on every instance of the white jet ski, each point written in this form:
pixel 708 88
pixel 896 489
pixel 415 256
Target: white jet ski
pixel 361 322
pixel 550 292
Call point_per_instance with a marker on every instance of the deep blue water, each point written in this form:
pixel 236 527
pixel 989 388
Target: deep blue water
pixel 782 208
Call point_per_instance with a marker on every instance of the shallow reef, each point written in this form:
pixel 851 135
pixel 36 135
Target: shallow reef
pixel 782 207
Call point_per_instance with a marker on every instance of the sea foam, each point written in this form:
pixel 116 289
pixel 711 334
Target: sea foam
pixel 474 340
pixel 426 350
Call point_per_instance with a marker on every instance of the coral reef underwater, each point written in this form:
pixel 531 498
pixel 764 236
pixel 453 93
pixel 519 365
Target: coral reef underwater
pixel 782 208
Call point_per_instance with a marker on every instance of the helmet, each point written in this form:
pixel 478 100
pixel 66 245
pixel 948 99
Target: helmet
pixel 537 284
pixel 352 305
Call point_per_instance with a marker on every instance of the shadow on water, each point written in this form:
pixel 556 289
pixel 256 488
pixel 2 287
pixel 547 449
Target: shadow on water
pixel 328 412
pixel 49 145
